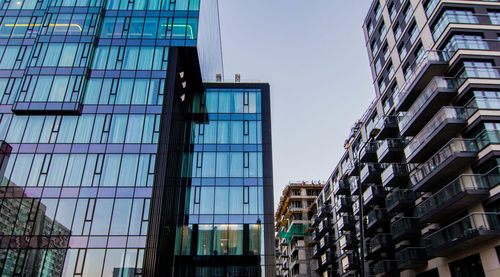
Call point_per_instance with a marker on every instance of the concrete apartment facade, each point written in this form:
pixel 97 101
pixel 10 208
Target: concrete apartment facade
pixel 416 192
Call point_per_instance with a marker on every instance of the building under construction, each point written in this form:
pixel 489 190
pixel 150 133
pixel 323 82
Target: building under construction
pixel 293 228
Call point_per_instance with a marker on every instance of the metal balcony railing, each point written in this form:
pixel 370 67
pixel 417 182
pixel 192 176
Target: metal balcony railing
pixel 464 183
pixel 453 147
pixel 436 84
pixel 420 63
pixel 446 113
pixel 468 228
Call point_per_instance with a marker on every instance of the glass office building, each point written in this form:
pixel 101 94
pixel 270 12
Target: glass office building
pixel 99 103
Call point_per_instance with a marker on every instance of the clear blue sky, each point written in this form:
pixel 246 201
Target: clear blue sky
pixel 314 57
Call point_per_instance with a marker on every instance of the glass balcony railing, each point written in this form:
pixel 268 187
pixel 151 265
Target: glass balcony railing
pixel 394 171
pixel 461 184
pixel 451 148
pixel 453 16
pixel 437 83
pixel 446 113
pixel 474 43
pixel 479 71
pixel 400 198
pixel 428 57
pixel 473 225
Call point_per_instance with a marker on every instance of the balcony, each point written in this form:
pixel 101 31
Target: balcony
pixel 443 165
pixel 391 150
pixel 440 129
pixel 373 195
pixel 369 152
pixel 381 242
pixel 325 243
pixel 405 228
pixel 395 175
pixel 355 207
pixel 376 218
pixel 341 188
pixel 349 262
pixel 323 227
pixel 346 223
pixel 354 185
pixel 386 268
pixel 325 260
pixel 370 173
pixel 411 257
pixel 400 200
pixel 325 211
pixel 343 204
pixel 348 242
pixel 463 234
pixel 388 127
pixel 430 64
pixel 454 197
pixel 438 92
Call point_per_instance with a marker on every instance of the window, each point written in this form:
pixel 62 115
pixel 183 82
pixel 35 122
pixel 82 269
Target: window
pixel 374 47
pixel 494 17
pixel 429 7
pixel 382 30
pixel 470 266
pixel 378 66
pixel 392 11
pixel 390 70
pixel 397 31
pixel 370 28
pixel 408 11
pixel 413 32
pixel 377 10
pixel 385 51
pixel 402 51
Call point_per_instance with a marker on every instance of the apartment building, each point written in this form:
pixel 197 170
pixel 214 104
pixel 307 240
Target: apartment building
pixel 420 170
pixel 293 222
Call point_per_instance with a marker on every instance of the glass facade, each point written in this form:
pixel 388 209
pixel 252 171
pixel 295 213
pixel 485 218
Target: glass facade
pixel 226 187
pixel 84 93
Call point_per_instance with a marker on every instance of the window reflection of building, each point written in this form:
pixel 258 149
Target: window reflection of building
pixel 31 242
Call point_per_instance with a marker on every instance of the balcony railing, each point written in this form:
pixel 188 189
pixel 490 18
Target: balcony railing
pixel 395 175
pixel 475 72
pixel 391 150
pixel 454 147
pixel 386 127
pixel 418 66
pixel 341 187
pixel 448 18
pixel 465 232
pixel 400 200
pixel 380 242
pixel 405 227
pixel 371 173
pixel 354 184
pixel 411 257
pixel 342 204
pixel 376 217
pixel 373 195
pixel 438 83
pixel 466 187
pixel 386 268
pixel 369 152
pixel 446 114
